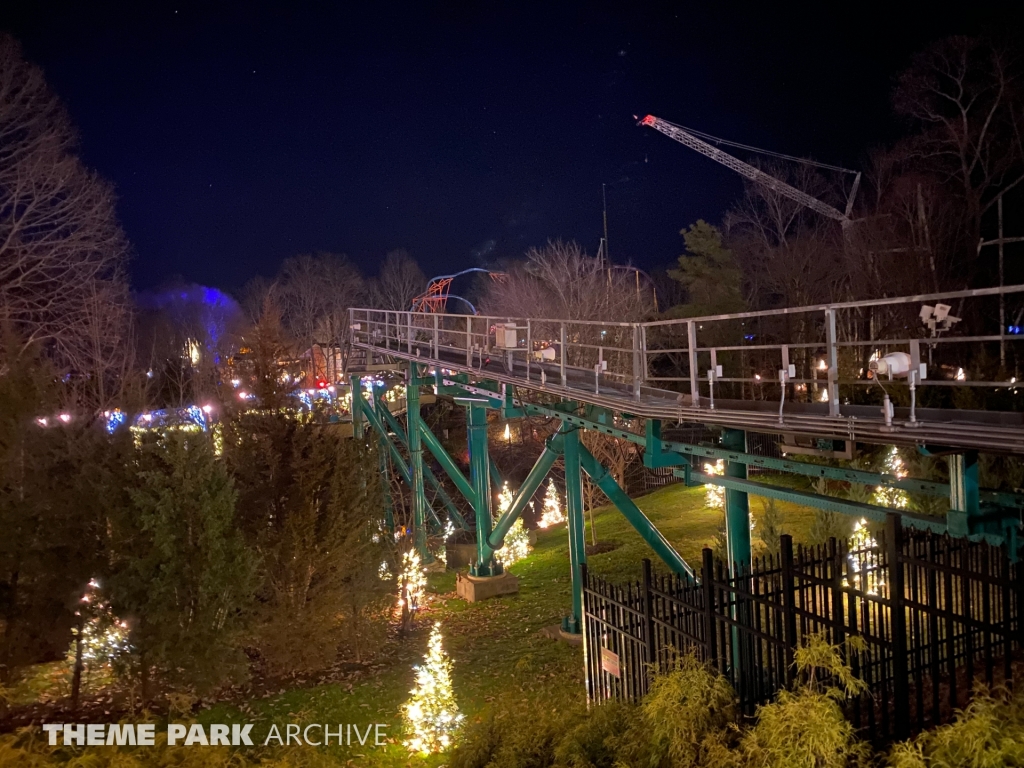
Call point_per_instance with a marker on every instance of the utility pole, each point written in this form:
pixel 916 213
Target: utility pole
pixel 1002 296
pixel 604 216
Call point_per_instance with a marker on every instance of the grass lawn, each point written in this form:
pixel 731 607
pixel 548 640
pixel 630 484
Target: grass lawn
pixel 495 645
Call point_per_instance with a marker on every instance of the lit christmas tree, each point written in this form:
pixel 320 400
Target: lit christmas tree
pixel 892 497
pixel 432 716
pixel 714 495
pixel 412 582
pixel 517 540
pixel 552 514
pixel 865 564
pixel 104 636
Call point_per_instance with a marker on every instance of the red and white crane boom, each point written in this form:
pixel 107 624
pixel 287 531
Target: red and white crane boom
pixel 748 171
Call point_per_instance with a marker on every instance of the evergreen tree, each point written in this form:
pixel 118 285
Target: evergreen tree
pixel 305 505
pixel 53 534
pixel 432 716
pixel 708 273
pixel 182 576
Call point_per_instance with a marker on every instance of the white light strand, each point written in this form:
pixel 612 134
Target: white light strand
pixel 552 514
pixel 432 717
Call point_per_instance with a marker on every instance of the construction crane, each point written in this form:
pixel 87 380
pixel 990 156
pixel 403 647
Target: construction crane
pixel 690 138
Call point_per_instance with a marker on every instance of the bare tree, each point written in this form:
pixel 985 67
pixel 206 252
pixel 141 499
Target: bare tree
pixel 965 93
pixel 561 281
pixel 399 282
pixel 62 252
pixel 315 290
pixel 789 254
pixel 315 294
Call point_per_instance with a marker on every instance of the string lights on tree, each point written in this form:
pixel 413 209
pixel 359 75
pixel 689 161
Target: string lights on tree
pixel 412 583
pixel 865 562
pixel 894 498
pixel 714 495
pixel 432 716
pixel 517 540
pixel 552 514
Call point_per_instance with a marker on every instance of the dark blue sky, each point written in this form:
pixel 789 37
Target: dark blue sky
pixel 238 134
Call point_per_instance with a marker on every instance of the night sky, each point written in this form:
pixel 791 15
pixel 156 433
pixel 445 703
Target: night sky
pixel 240 134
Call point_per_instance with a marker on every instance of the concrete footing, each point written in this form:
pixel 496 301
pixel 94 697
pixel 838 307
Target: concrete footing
pixel 476 588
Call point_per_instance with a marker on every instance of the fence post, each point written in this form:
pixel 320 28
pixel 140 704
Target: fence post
pixel 838 625
pixel 788 603
pixel 708 582
pixel 898 627
pixel 649 614
pixel 587 658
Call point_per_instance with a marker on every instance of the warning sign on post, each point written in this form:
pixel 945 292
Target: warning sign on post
pixel 610 662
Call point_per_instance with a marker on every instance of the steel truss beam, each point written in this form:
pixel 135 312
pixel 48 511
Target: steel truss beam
pixel 360 406
pixel 533 481
pixel 1012 502
pixel 634 515
pixel 428 473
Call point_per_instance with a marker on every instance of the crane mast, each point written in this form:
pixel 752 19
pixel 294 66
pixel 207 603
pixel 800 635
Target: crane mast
pixel 750 172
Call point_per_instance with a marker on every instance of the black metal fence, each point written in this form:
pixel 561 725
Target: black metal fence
pixel 936 613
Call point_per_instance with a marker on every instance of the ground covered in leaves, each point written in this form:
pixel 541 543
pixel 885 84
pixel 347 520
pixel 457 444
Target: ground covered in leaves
pixel 496 646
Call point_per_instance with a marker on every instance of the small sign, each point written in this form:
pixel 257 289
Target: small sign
pixel 610 662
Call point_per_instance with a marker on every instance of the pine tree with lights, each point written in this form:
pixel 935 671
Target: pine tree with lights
pixel 714 495
pixel 517 540
pixel 432 717
pixel 894 498
pixel 552 514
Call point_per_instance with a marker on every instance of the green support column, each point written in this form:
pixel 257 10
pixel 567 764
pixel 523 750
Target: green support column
pixel 574 512
pixel 385 477
pixel 357 407
pixel 737 509
pixel 522 497
pixel 419 498
pixel 737 531
pixel 480 479
pixel 640 522
pixel 964 494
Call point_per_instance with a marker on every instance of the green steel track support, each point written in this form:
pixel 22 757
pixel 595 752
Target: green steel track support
pixel 655 455
pixel 446 462
pixel 419 498
pixel 533 481
pixel 996 524
pixel 832 504
pixel 574 511
pixel 927 487
pixel 374 421
pixel 737 507
pixel 640 522
pixel 496 479
pixel 404 471
pixel 454 514
pixel 385 477
pixel 480 477
pixel 357 407
pixel 964 497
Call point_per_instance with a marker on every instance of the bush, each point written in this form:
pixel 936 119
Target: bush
pixel 806 727
pixel 310 504
pixel 685 718
pixel 182 577
pixel 989 733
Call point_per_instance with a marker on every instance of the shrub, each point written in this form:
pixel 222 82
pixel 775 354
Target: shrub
pixel 806 727
pixel 988 733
